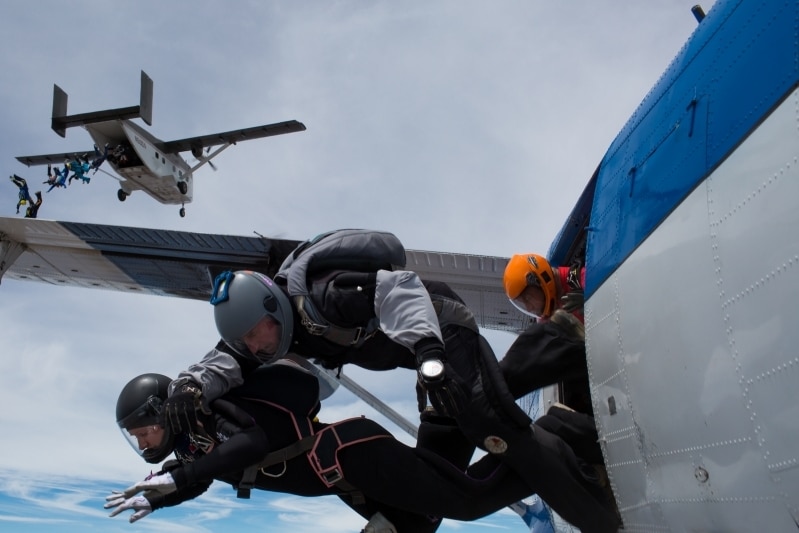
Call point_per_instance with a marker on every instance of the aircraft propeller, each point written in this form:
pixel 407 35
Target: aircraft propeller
pixel 198 155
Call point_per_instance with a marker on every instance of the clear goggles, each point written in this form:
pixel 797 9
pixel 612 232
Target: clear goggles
pixel 151 437
pixel 241 348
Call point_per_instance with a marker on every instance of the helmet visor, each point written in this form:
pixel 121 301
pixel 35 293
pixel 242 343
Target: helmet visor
pixel 144 439
pixel 241 348
pixel 261 342
pixel 531 301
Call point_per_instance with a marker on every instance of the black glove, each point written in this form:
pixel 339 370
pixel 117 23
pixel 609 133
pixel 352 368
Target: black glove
pixel 448 395
pixel 572 301
pixel 169 466
pixel 447 392
pixel 180 409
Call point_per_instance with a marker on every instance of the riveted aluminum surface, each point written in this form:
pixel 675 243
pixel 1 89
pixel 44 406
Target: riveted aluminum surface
pixel 696 343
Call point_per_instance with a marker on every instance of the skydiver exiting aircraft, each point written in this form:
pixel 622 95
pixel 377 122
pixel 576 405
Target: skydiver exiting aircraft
pixel 79 167
pixel 33 209
pixel 426 328
pixel 552 349
pixel 99 158
pixel 24 193
pixel 56 178
pixel 535 289
pixel 265 435
pixel 123 156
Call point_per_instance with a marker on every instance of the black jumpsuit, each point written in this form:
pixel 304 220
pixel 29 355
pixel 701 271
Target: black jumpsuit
pixel 546 463
pixel 546 354
pixel 413 488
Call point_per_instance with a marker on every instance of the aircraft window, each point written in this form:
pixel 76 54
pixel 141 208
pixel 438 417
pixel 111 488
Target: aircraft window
pixel 163 160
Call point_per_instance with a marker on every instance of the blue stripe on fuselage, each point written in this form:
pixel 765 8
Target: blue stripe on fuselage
pixel 739 64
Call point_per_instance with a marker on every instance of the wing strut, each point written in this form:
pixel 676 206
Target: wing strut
pixel 207 159
pixel 379 405
pixel 9 252
pixel 330 380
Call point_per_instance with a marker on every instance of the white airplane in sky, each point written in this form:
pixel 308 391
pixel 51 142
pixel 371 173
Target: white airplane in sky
pixel 142 162
pixel 688 232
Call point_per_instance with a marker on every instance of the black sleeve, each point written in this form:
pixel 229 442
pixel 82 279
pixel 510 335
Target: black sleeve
pixel 542 355
pixel 186 493
pixel 246 364
pixel 234 455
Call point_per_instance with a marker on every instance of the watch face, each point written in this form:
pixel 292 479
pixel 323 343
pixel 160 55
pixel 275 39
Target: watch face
pixel 432 368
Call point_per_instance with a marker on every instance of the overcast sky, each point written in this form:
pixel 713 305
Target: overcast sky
pixel 460 126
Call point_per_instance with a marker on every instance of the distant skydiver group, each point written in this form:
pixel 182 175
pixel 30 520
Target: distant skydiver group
pixel 78 165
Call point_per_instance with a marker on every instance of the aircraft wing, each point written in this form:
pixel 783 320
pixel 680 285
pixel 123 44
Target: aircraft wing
pixel 203 141
pixel 51 159
pixel 183 264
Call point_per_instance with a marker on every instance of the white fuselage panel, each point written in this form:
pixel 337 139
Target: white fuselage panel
pixel 160 172
pixel 693 347
pixel 157 173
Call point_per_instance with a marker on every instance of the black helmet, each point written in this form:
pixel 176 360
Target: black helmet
pixel 241 299
pixel 139 405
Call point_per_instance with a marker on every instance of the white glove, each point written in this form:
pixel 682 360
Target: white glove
pixel 138 503
pixel 163 484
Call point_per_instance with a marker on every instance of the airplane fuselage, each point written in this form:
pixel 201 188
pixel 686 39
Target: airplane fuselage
pixel 141 161
pixel 692 261
pixel 147 168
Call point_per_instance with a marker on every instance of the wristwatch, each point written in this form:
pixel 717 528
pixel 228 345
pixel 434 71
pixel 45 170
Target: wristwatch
pixel 432 369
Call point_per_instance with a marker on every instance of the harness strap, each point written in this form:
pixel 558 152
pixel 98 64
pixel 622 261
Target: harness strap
pixel 574 276
pixel 317 325
pixel 278 456
pixel 322 450
pixel 324 454
pixel 305 436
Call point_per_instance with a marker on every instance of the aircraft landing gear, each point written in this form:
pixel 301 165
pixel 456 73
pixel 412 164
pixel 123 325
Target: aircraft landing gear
pixel 182 211
pixel 121 195
pixel 183 187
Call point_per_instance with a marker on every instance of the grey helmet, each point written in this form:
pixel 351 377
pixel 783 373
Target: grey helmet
pixel 242 299
pixel 139 405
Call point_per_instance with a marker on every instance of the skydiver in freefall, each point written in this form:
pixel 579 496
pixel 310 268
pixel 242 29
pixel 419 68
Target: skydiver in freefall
pixel 24 194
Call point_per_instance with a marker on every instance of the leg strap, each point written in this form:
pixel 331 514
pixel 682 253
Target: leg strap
pixel 322 449
pixel 335 437
pixel 279 456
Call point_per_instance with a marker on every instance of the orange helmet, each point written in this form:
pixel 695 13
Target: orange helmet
pixel 530 270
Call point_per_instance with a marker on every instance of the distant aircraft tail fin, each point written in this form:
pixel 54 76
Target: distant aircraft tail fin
pixel 61 121
pixel 536 515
